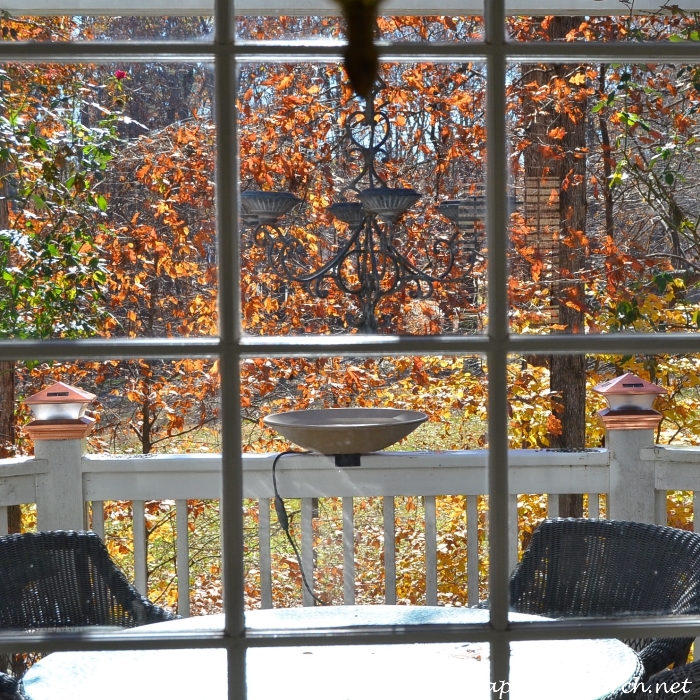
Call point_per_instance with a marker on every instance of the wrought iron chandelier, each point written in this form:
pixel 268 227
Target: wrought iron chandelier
pixel 367 264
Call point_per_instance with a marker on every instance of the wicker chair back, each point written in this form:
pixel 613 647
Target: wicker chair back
pixel 67 579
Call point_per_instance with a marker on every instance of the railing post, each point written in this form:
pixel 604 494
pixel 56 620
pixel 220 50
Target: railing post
pixel 59 493
pixel 631 479
pixel 630 425
pixel 59 431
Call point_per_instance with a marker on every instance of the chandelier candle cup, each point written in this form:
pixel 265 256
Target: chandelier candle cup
pixel 464 213
pixel 352 213
pixel 336 431
pixel 267 207
pixel 389 202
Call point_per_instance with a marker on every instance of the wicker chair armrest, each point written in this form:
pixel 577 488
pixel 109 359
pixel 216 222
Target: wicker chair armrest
pixel 11 688
pixel 660 653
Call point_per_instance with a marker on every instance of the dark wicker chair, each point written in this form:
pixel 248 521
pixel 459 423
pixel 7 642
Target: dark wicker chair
pixel 606 568
pixel 67 579
pixel 52 580
pixel 11 688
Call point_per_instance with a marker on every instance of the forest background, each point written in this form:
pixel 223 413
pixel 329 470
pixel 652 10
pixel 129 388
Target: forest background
pixel 107 228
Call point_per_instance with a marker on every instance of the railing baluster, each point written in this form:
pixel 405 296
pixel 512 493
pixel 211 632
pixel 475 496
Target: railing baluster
pixel 552 505
pixel 3 520
pixel 348 551
pixel 265 553
pixel 140 547
pixel 513 538
pixel 389 551
pixel 594 506
pixel 430 551
pixel 307 547
pixel 183 558
pixel 97 523
pixel 472 551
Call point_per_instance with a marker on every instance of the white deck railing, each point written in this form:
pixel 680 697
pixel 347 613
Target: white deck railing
pixel 387 474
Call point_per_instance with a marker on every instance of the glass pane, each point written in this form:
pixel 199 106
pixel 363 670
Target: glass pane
pixel 399 27
pixel 648 21
pixel 317 257
pixel 445 668
pixel 107 209
pixel 142 412
pixel 378 518
pixel 604 238
pixel 104 28
pixel 609 441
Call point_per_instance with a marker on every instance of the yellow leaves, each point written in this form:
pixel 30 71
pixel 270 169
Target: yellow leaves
pixel 270 304
pixel 578 79
pixel 285 82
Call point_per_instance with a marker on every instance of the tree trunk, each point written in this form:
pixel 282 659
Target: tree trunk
pixel 7 381
pixel 567 372
pixel 7 432
pixel 607 160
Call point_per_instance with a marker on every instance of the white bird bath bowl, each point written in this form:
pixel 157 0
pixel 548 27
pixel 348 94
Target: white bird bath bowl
pixel 345 431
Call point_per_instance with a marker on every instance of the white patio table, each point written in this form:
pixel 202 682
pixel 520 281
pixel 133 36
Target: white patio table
pixel 546 670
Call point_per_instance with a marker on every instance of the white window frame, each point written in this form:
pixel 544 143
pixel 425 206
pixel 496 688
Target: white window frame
pixel 497 345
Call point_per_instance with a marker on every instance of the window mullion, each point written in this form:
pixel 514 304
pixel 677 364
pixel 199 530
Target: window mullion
pixel 229 306
pixel 496 227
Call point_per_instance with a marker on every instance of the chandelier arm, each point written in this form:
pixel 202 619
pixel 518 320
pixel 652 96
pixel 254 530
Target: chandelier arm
pixel 289 242
pixel 419 273
pixel 316 289
pixel 262 237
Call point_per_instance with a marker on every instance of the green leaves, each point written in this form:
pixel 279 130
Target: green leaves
pixel 52 163
pixel 662 281
pixel 627 312
pixel 690 35
pixel 631 119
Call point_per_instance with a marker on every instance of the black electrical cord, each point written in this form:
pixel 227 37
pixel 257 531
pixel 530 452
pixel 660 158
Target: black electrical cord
pixel 284 523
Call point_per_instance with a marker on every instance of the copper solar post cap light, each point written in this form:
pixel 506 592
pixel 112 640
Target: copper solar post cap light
pixel 59 413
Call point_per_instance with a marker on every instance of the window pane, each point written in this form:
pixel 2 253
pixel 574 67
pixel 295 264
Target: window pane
pixel 151 473
pixel 108 224
pixel 403 522
pixel 306 163
pixel 604 237
pixel 104 28
pixel 648 21
pixel 607 438
pixel 400 27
